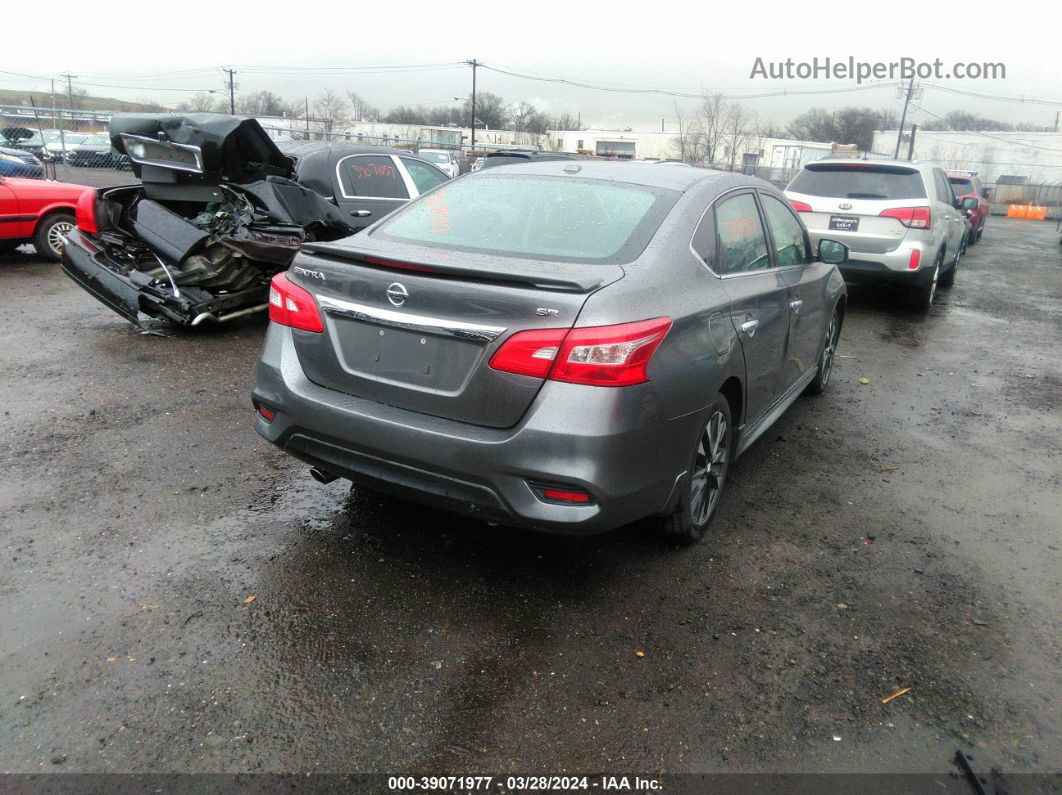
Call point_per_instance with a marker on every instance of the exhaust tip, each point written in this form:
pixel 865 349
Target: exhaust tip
pixel 322 477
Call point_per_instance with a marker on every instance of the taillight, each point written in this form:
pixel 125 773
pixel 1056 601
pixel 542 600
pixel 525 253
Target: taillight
pixel 912 217
pixel 800 207
pixel 291 305
pixel 596 355
pixel 85 213
pixel 529 352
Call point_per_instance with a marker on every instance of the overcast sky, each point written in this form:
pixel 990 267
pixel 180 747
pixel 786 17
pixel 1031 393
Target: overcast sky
pixel 688 46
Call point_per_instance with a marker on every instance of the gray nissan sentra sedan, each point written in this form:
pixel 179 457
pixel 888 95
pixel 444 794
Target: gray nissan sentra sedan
pixel 569 346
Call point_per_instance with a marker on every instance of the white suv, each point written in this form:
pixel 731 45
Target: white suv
pixel 900 220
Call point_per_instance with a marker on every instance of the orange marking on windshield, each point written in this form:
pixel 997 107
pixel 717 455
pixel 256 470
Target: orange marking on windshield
pixel 439 212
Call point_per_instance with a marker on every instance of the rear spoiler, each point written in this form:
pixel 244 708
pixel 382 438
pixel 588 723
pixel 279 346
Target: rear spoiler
pixel 546 275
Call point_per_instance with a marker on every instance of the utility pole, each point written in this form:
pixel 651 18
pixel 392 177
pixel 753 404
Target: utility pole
pixel 903 118
pixel 910 149
pixel 1057 112
pixel 473 63
pixel 232 89
pixel 307 118
pixel 70 96
pixel 579 123
pixel 55 122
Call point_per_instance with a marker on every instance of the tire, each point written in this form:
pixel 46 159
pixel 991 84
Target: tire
pixel 948 279
pixel 980 231
pixel 922 296
pixel 829 348
pixel 48 237
pixel 715 447
pixel 973 237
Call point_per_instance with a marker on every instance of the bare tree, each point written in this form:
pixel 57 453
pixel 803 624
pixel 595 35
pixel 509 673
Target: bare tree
pixel 202 102
pixel 330 110
pixel 406 114
pixel 566 121
pixel 713 122
pixel 360 108
pixel 490 110
pixel 737 130
pixel 525 117
pixel 261 103
pixel 689 143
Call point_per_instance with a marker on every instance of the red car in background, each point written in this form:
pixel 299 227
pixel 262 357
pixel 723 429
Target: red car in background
pixel 966 185
pixel 37 211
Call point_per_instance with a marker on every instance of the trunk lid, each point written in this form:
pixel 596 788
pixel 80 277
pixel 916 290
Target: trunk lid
pixel 871 233
pixel 416 328
pixel 848 198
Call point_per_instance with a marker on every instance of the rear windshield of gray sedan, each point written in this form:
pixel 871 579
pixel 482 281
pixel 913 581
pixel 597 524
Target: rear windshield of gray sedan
pixel 538 217
pixel 859 181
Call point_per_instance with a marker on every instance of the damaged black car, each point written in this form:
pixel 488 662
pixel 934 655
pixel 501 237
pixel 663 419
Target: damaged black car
pixel 217 214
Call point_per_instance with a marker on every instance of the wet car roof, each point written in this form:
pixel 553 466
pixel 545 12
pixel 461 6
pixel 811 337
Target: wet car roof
pixel 302 148
pixel 647 174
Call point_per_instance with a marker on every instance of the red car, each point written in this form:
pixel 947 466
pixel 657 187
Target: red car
pixel 967 186
pixel 37 211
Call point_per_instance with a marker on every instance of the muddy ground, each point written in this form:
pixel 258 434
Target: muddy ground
pixel 899 533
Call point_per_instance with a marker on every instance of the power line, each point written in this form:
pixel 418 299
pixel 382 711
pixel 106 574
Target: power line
pixel 986 135
pixel 1019 98
pixel 681 94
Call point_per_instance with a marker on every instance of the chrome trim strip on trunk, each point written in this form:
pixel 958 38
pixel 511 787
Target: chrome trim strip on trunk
pixel 403 320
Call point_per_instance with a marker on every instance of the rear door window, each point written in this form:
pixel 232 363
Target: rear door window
pixel 742 247
pixel 371 176
pixel 947 194
pixel 859 181
pixel 790 245
pixel 425 177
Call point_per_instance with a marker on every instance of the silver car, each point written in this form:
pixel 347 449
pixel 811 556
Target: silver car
pixel 443 159
pixel 901 220
pixel 560 345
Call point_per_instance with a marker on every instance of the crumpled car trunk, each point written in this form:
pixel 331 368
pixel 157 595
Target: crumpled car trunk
pixel 216 216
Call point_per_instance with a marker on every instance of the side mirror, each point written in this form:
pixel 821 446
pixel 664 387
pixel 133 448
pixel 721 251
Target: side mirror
pixel 969 203
pixel 832 252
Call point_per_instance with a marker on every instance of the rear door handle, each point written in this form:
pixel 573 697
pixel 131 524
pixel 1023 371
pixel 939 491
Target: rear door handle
pixel 749 326
pixel 361 213
pixel 795 305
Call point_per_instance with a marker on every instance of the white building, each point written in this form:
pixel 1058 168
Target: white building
pixel 1032 157
pixel 779 155
pixel 385 133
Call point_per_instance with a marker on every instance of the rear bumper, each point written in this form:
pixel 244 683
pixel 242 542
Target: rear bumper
pixel 887 266
pixel 88 265
pixel 83 263
pixel 614 443
pixel 861 271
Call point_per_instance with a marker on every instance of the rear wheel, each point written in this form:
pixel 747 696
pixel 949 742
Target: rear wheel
pixel 948 279
pixel 922 296
pixel 711 459
pixel 50 234
pixel 829 348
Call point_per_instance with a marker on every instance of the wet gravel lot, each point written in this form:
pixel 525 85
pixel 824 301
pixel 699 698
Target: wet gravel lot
pixel 176 595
